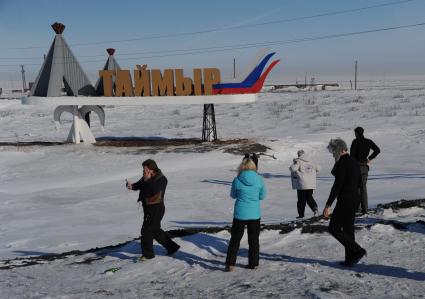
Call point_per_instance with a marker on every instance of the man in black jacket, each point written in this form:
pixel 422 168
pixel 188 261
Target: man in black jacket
pixel 152 188
pixel 346 190
pixel 359 150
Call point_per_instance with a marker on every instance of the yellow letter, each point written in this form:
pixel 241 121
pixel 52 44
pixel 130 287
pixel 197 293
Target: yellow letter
pixel 211 77
pixel 106 77
pixel 123 84
pixel 142 82
pixel 162 85
pixel 183 84
pixel 197 81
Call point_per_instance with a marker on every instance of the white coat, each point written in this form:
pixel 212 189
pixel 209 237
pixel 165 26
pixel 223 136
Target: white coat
pixel 303 174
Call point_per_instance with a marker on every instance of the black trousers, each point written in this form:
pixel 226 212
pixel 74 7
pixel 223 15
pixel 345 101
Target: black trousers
pixel 237 231
pixel 151 229
pixel 341 226
pixel 364 172
pixel 305 196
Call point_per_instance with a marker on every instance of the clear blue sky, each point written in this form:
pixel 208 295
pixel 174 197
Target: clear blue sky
pixel 396 52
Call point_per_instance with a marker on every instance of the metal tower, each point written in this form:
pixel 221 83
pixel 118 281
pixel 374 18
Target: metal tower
pixel 209 129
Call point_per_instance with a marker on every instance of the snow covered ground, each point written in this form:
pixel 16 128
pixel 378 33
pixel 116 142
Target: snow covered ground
pixel 59 198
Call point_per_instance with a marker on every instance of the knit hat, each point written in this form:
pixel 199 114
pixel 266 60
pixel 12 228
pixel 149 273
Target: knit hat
pixel 300 153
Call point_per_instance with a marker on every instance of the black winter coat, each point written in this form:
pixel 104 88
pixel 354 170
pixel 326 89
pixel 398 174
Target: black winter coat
pixel 151 191
pixel 360 148
pixel 347 181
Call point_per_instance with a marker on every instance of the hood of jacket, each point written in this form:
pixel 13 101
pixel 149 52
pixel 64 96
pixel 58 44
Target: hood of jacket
pixel 303 158
pixel 248 177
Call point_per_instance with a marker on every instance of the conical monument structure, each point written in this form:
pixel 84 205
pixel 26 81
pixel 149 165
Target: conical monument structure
pixel 63 83
pixel 110 65
pixel 61 70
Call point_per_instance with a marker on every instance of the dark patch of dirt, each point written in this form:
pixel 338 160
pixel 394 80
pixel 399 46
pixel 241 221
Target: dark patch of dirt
pixel 403 204
pixel 104 293
pixel 247 148
pixel 232 146
pixel 313 229
pixel 155 145
pixel 142 142
pixel 394 223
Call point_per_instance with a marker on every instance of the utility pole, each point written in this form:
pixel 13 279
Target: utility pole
pixel 234 67
pixel 355 75
pixel 24 83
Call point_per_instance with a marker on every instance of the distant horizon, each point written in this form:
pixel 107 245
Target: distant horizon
pixel 284 72
pixel 344 81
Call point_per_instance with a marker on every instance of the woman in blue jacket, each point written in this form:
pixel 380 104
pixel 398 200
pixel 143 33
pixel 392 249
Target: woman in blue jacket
pixel 248 189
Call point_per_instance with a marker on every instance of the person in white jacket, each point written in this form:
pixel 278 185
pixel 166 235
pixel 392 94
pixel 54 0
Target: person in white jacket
pixel 303 178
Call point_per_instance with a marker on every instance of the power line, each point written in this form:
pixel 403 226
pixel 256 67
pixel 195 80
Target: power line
pixel 224 28
pixel 254 45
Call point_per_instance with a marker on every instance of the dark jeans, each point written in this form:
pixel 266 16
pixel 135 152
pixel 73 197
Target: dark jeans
pixel 151 229
pixel 341 226
pixel 364 172
pixel 237 231
pixel 305 196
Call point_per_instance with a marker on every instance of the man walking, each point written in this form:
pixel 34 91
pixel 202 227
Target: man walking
pixel 359 150
pixel 152 188
pixel 346 190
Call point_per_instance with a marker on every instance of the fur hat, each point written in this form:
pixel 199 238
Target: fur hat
pixel 336 146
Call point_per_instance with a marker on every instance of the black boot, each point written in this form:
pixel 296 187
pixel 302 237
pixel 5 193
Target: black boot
pixel 355 258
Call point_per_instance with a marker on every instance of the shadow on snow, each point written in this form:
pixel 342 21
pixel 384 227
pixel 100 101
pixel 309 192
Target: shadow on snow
pixel 384 270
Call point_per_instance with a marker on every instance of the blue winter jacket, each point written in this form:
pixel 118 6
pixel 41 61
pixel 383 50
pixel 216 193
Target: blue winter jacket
pixel 248 189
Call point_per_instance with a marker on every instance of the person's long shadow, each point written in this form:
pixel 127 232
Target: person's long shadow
pixel 213 245
pixel 395 176
pixel 206 223
pixel 125 252
pixel 209 243
pixel 268 175
pixel 219 182
pixel 191 259
pixel 384 270
pixel 372 177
